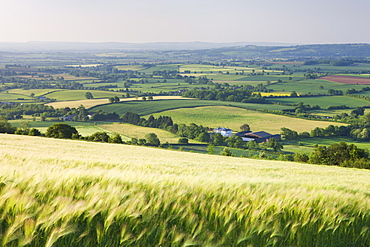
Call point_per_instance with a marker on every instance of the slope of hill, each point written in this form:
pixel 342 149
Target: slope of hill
pixel 75 193
pixel 299 51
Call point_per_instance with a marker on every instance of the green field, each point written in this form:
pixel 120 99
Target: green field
pixel 312 86
pixel 14 97
pixel 81 193
pixel 324 101
pixel 326 141
pixel 148 107
pixel 233 118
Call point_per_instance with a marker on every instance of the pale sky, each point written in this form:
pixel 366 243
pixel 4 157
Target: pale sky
pixel 139 21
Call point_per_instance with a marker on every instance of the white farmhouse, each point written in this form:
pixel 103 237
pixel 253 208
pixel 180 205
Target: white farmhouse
pixel 223 131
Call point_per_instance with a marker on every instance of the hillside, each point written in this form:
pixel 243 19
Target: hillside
pixel 76 193
pixel 297 52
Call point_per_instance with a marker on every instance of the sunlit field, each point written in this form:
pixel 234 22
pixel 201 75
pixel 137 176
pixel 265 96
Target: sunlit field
pixel 76 193
pixel 233 118
pixel 88 103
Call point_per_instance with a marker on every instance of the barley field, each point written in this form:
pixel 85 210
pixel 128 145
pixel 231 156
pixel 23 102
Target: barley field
pixel 75 193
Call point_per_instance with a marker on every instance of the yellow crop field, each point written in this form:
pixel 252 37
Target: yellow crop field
pixel 275 94
pixel 133 131
pixel 87 103
pixel 76 193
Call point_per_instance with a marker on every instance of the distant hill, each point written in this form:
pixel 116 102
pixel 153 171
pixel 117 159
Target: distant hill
pixel 201 50
pixel 115 46
pixel 297 51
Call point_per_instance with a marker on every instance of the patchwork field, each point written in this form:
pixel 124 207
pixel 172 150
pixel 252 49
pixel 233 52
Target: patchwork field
pixel 233 118
pixel 95 194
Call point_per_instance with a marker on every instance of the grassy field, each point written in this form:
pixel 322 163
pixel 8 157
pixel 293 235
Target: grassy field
pixel 15 97
pixel 312 86
pixel 93 194
pixel 233 118
pixel 37 92
pixel 326 141
pixel 149 107
pixel 324 101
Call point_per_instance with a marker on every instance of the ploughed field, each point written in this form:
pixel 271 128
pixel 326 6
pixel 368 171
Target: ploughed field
pixel 347 79
pixel 75 193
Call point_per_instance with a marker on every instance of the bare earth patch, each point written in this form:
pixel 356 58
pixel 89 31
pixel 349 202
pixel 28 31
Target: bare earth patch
pixel 347 79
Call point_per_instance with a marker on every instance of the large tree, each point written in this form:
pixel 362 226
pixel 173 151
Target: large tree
pixel 5 126
pixel 152 139
pixel 61 130
pixel 245 127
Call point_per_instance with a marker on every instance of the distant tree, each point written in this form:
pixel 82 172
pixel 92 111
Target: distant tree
pixel 293 94
pixel 34 132
pixel 152 139
pixel 5 126
pixel 116 99
pixel 111 100
pixel 150 97
pixel 89 95
pixel 143 98
pixel 32 95
pixel 218 139
pixel 289 134
pixel 226 152
pixel 99 137
pixel 298 157
pixel 210 149
pixel 245 127
pixel 61 130
pixel 235 141
pixel 183 140
pixel 116 138
pixel 340 154
pixel 274 144
pixel 252 144
pixel 203 137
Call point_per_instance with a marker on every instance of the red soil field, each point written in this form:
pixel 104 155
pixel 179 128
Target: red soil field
pixel 347 79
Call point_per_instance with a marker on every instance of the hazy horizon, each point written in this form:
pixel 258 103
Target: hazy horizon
pixel 144 21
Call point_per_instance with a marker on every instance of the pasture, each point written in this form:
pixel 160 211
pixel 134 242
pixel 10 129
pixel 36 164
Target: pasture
pixel 149 107
pixel 311 86
pixel 94 194
pixel 233 118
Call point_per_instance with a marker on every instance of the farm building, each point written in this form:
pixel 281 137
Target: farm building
pixel 223 131
pixel 260 136
pixel 68 118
